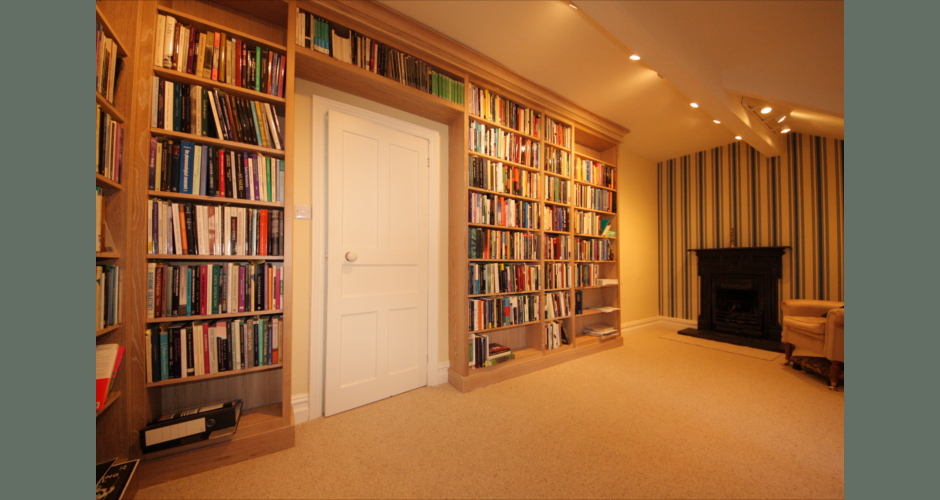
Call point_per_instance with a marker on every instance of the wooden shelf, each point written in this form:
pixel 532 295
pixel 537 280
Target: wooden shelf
pixel 216 200
pixel 254 95
pixel 491 226
pixel 593 210
pixel 593 287
pixel 237 146
pixel 107 329
pixel 595 160
pixel 209 376
pixel 238 258
pixel 109 108
pixel 557 318
pixel 579 235
pixel 561 176
pixel 104 182
pixel 590 261
pixel 507 162
pixel 498 328
pixel 521 354
pixel 107 255
pixel 586 183
pixel 589 312
pixel 557 203
pixel 204 24
pixel 506 195
pixel 111 399
pixel 476 296
pixel 171 319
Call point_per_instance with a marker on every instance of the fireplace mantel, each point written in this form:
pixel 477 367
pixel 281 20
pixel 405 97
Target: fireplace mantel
pixel 739 298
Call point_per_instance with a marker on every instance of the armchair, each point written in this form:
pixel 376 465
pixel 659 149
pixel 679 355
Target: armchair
pixel 817 326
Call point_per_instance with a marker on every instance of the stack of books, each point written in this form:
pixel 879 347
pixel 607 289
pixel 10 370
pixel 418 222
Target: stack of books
pixel 600 331
pixel 485 353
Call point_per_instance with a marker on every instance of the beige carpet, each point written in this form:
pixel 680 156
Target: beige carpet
pixel 653 419
pixel 722 346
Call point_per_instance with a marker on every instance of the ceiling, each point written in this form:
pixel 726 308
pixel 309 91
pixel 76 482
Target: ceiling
pixel 727 56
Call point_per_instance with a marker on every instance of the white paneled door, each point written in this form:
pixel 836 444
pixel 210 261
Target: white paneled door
pixel 377 263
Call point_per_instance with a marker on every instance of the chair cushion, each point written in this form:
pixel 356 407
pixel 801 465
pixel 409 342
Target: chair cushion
pixel 806 324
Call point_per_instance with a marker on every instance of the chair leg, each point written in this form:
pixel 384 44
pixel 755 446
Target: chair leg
pixel 788 351
pixel 834 371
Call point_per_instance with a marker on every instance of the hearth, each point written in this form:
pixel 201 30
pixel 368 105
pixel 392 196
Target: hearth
pixel 739 298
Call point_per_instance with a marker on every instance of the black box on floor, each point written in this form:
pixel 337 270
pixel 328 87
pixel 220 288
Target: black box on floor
pixel 191 425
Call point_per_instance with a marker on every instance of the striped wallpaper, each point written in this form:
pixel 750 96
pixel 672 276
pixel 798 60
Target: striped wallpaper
pixel 794 200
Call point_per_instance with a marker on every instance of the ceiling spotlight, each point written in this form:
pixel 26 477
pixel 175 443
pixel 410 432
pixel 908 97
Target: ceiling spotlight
pixel 766 110
pixel 738 137
pixel 693 104
pixel 716 121
pixel 634 57
pixel 573 6
pixel 785 129
pixel 784 117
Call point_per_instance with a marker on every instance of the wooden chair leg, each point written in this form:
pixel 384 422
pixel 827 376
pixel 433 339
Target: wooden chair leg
pixel 788 351
pixel 834 370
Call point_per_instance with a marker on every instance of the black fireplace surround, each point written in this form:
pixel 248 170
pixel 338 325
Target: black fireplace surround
pixel 739 299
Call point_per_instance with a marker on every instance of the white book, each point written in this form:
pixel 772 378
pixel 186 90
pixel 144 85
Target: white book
pixel 241 236
pixel 151 290
pixel 202 229
pixel 198 347
pixel 177 235
pixel 213 349
pixel 154 103
pixel 197 169
pixel 168 42
pixel 168 105
pixel 159 42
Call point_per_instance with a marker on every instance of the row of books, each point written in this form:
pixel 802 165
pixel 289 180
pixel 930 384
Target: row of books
pixel 107 296
pixel 108 65
pixel 556 218
pixel 193 109
pixel 595 198
pixel 176 228
pixel 590 223
pixel 496 108
pixel 557 161
pixel 600 330
pixel 352 47
pixel 557 305
pixel 557 275
pixel 109 145
pixel 193 289
pixel 101 225
pixel 495 244
pixel 484 353
pixel 502 178
pixel 216 56
pixel 557 247
pixel 495 312
pixel 558 133
pixel 504 145
pixel 555 335
pixel 593 249
pixel 185 167
pixel 587 275
pixel 190 349
pixel 502 278
pixel 557 190
pixel 595 173
pixel 497 210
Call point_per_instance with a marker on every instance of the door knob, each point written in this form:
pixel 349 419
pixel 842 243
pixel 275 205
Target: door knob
pixel 351 256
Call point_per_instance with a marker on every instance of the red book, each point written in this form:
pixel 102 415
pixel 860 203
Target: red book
pixel 221 162
pixel 107 360
pixel 203 288
pixel 158 292
pixel 205 347
pixel 263 233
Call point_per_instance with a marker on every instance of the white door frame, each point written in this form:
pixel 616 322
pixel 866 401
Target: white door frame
pixel 318 284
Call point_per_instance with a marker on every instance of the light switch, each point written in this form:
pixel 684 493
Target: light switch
pixel 302 211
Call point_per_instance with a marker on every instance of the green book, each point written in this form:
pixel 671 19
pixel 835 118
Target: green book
pixel 258 69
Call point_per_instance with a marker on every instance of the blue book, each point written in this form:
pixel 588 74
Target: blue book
pixel 164 354
pixel 189 291
pixel 204 170
pixel 186 167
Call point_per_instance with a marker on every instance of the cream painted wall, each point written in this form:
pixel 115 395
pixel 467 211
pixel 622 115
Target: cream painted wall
pixel 304 148
pixel 638 203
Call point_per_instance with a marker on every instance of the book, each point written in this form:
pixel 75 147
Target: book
pixel 113 482
pixel 107 360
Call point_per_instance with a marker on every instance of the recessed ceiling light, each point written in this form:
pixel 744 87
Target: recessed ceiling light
pixel 782 118
pixel 693 104
pixel 635 57
pixel 766 110
pixel 573 6
pixel 738 137
pixel 716 121
pixel 785 130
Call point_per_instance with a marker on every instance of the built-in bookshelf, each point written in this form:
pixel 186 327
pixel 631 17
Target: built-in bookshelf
pixel 533 248
pixel 216 266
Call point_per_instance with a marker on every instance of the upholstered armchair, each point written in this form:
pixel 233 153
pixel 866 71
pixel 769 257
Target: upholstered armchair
pixel 817 326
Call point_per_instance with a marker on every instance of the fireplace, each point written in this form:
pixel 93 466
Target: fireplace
pixel 739 298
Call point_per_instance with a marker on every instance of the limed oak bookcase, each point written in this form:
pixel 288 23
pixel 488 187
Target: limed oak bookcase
pixel 266 390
